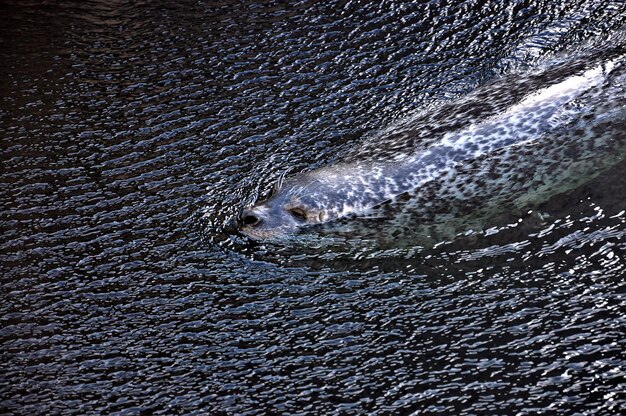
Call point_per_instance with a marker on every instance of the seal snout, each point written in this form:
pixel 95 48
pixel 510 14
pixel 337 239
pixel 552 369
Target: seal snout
pixel 249 218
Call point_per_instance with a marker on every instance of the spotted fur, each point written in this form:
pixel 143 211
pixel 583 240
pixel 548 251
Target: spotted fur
pixel 506 146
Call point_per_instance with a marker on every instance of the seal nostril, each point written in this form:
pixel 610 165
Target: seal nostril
pixel 250 219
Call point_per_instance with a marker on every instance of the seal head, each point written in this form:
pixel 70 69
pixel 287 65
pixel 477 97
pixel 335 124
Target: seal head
pixel 288 208
pixel 319 196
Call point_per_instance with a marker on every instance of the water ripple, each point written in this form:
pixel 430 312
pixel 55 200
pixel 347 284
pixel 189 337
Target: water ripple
pixel 132 134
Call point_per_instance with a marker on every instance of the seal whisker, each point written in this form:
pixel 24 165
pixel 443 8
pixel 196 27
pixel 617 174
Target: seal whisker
pixel 302 189
pixel 281 179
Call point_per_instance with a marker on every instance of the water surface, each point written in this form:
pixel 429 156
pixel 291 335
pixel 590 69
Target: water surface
pixel 132 134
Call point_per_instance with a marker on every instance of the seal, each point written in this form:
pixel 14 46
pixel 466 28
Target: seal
pixel 508 145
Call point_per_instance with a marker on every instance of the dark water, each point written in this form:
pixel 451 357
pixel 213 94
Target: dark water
pixel 131 135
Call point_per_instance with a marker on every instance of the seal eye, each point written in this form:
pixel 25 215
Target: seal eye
pixel 298 213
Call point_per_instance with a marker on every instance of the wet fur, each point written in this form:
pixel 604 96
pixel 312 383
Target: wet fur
pixel 503 148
